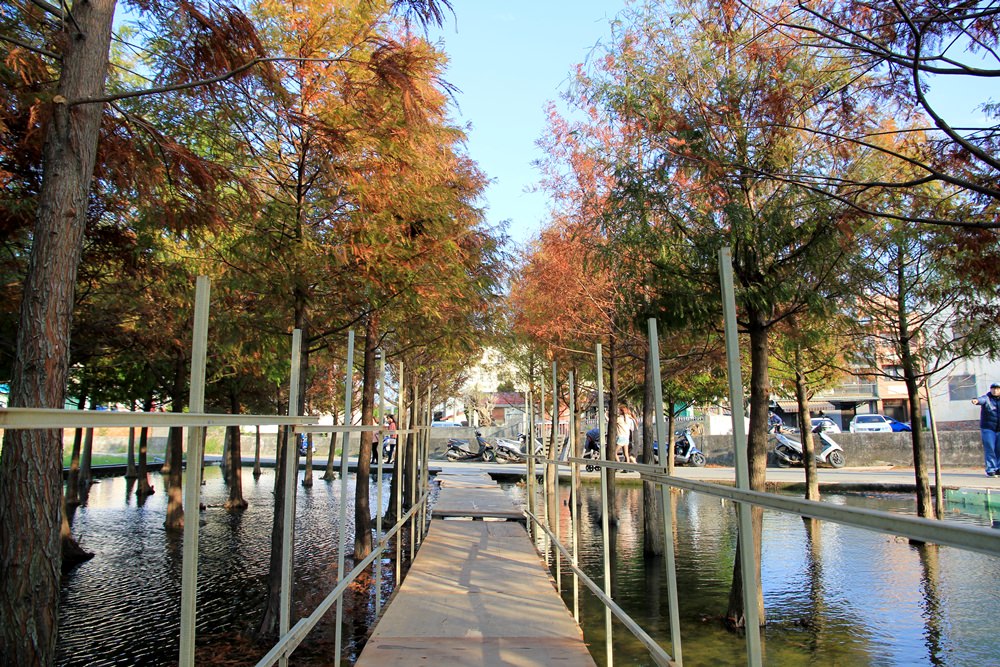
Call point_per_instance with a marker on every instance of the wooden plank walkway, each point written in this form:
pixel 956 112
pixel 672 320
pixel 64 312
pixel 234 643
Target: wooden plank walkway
pixel 477 594
pixel 473 495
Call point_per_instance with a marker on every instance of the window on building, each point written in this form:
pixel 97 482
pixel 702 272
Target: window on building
pixel 894 372
pixel 962 387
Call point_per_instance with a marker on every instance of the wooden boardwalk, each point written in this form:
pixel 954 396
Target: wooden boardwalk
pixel 477 593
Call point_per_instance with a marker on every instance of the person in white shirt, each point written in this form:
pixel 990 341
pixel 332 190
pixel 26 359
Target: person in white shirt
pixel 625 426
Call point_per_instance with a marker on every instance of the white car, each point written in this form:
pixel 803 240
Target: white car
pixel 870 424
pixel 828 424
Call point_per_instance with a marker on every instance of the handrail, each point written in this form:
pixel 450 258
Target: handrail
pixel 970 538
pixel 288 643
pixel 46 418
pixel 659 655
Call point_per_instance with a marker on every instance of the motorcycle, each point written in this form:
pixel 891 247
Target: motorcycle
pixel 788 452
pixel 459 450
pixel 512 451
pixel 686 452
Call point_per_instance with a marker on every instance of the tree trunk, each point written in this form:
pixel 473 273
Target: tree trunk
pixel 272 610
pixel 145 488
pixel 757 459
pixel 362 504
pixel 224 461
pixel 805 430
pixel 87 459
pixel 925 504
pixel 31 496
pixel 652 508
pixel 130 471
pixel 72 495
pixel 910 370
pixel 72 553
pixel 236 500
pixel 330 473
pixel 175 456
pixel 256 454
pixel 175 495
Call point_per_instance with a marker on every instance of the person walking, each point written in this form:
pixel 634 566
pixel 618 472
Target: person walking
pixel 390 423
pixel 626 424
pixel 989 428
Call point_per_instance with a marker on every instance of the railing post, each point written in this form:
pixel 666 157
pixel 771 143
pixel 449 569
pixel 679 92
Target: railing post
pixel 605 519
pixel 288 514
pixel 412 469
pixel 573 508
pixel 192 488
pixel 380 457
pixel 530 454
pixel 428 419
pixel 554 453
pixel 667 495
pixel 545 466
pixel 746 541
pixel 397 466
pixel 346 449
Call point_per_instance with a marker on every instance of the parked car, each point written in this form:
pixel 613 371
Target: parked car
pixel 898 426
pixel 441 423
pixel 828 424
pixel 872 423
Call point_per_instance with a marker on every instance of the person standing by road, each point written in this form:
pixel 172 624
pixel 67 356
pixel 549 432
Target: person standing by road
pixel 626 424
pixel 390 423
pixel 989 428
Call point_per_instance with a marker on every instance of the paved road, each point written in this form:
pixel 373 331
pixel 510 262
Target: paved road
pixel 897 478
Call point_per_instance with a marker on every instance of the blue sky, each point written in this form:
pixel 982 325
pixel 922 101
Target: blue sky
pixel 507 60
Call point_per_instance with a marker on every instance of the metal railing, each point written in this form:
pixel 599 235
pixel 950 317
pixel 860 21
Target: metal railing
pixel 969 538
pixel 197 421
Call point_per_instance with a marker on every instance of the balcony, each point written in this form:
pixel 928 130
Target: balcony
pixel 849 391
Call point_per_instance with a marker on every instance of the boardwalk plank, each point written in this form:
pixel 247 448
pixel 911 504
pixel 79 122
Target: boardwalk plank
pixel 475 502
pixel 477 594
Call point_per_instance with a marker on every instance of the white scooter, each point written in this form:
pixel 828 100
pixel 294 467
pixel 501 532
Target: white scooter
pixel 788 452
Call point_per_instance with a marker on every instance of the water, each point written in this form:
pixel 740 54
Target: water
pixel 839 596
pixel 123 606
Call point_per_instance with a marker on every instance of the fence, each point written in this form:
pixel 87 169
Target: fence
pixel 547 523
pixel 197 421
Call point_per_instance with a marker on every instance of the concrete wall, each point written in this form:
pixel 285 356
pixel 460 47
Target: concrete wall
pixel 962 449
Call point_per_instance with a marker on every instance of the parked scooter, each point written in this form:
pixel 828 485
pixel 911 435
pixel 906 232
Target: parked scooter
pixel 512 451
pixel 686 452
pixel 459 450
pixel 788 452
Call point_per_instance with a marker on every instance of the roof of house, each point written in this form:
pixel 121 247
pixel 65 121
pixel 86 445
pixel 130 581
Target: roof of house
pixel 508 398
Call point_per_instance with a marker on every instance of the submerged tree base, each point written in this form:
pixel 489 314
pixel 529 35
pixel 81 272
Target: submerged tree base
pixel 73 554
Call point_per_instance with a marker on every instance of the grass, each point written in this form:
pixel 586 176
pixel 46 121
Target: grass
pixel 104 459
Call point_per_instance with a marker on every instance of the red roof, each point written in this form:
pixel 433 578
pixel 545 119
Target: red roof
pixel 508 398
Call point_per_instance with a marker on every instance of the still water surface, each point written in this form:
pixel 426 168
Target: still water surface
pixel 122 607
pixel 835 596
